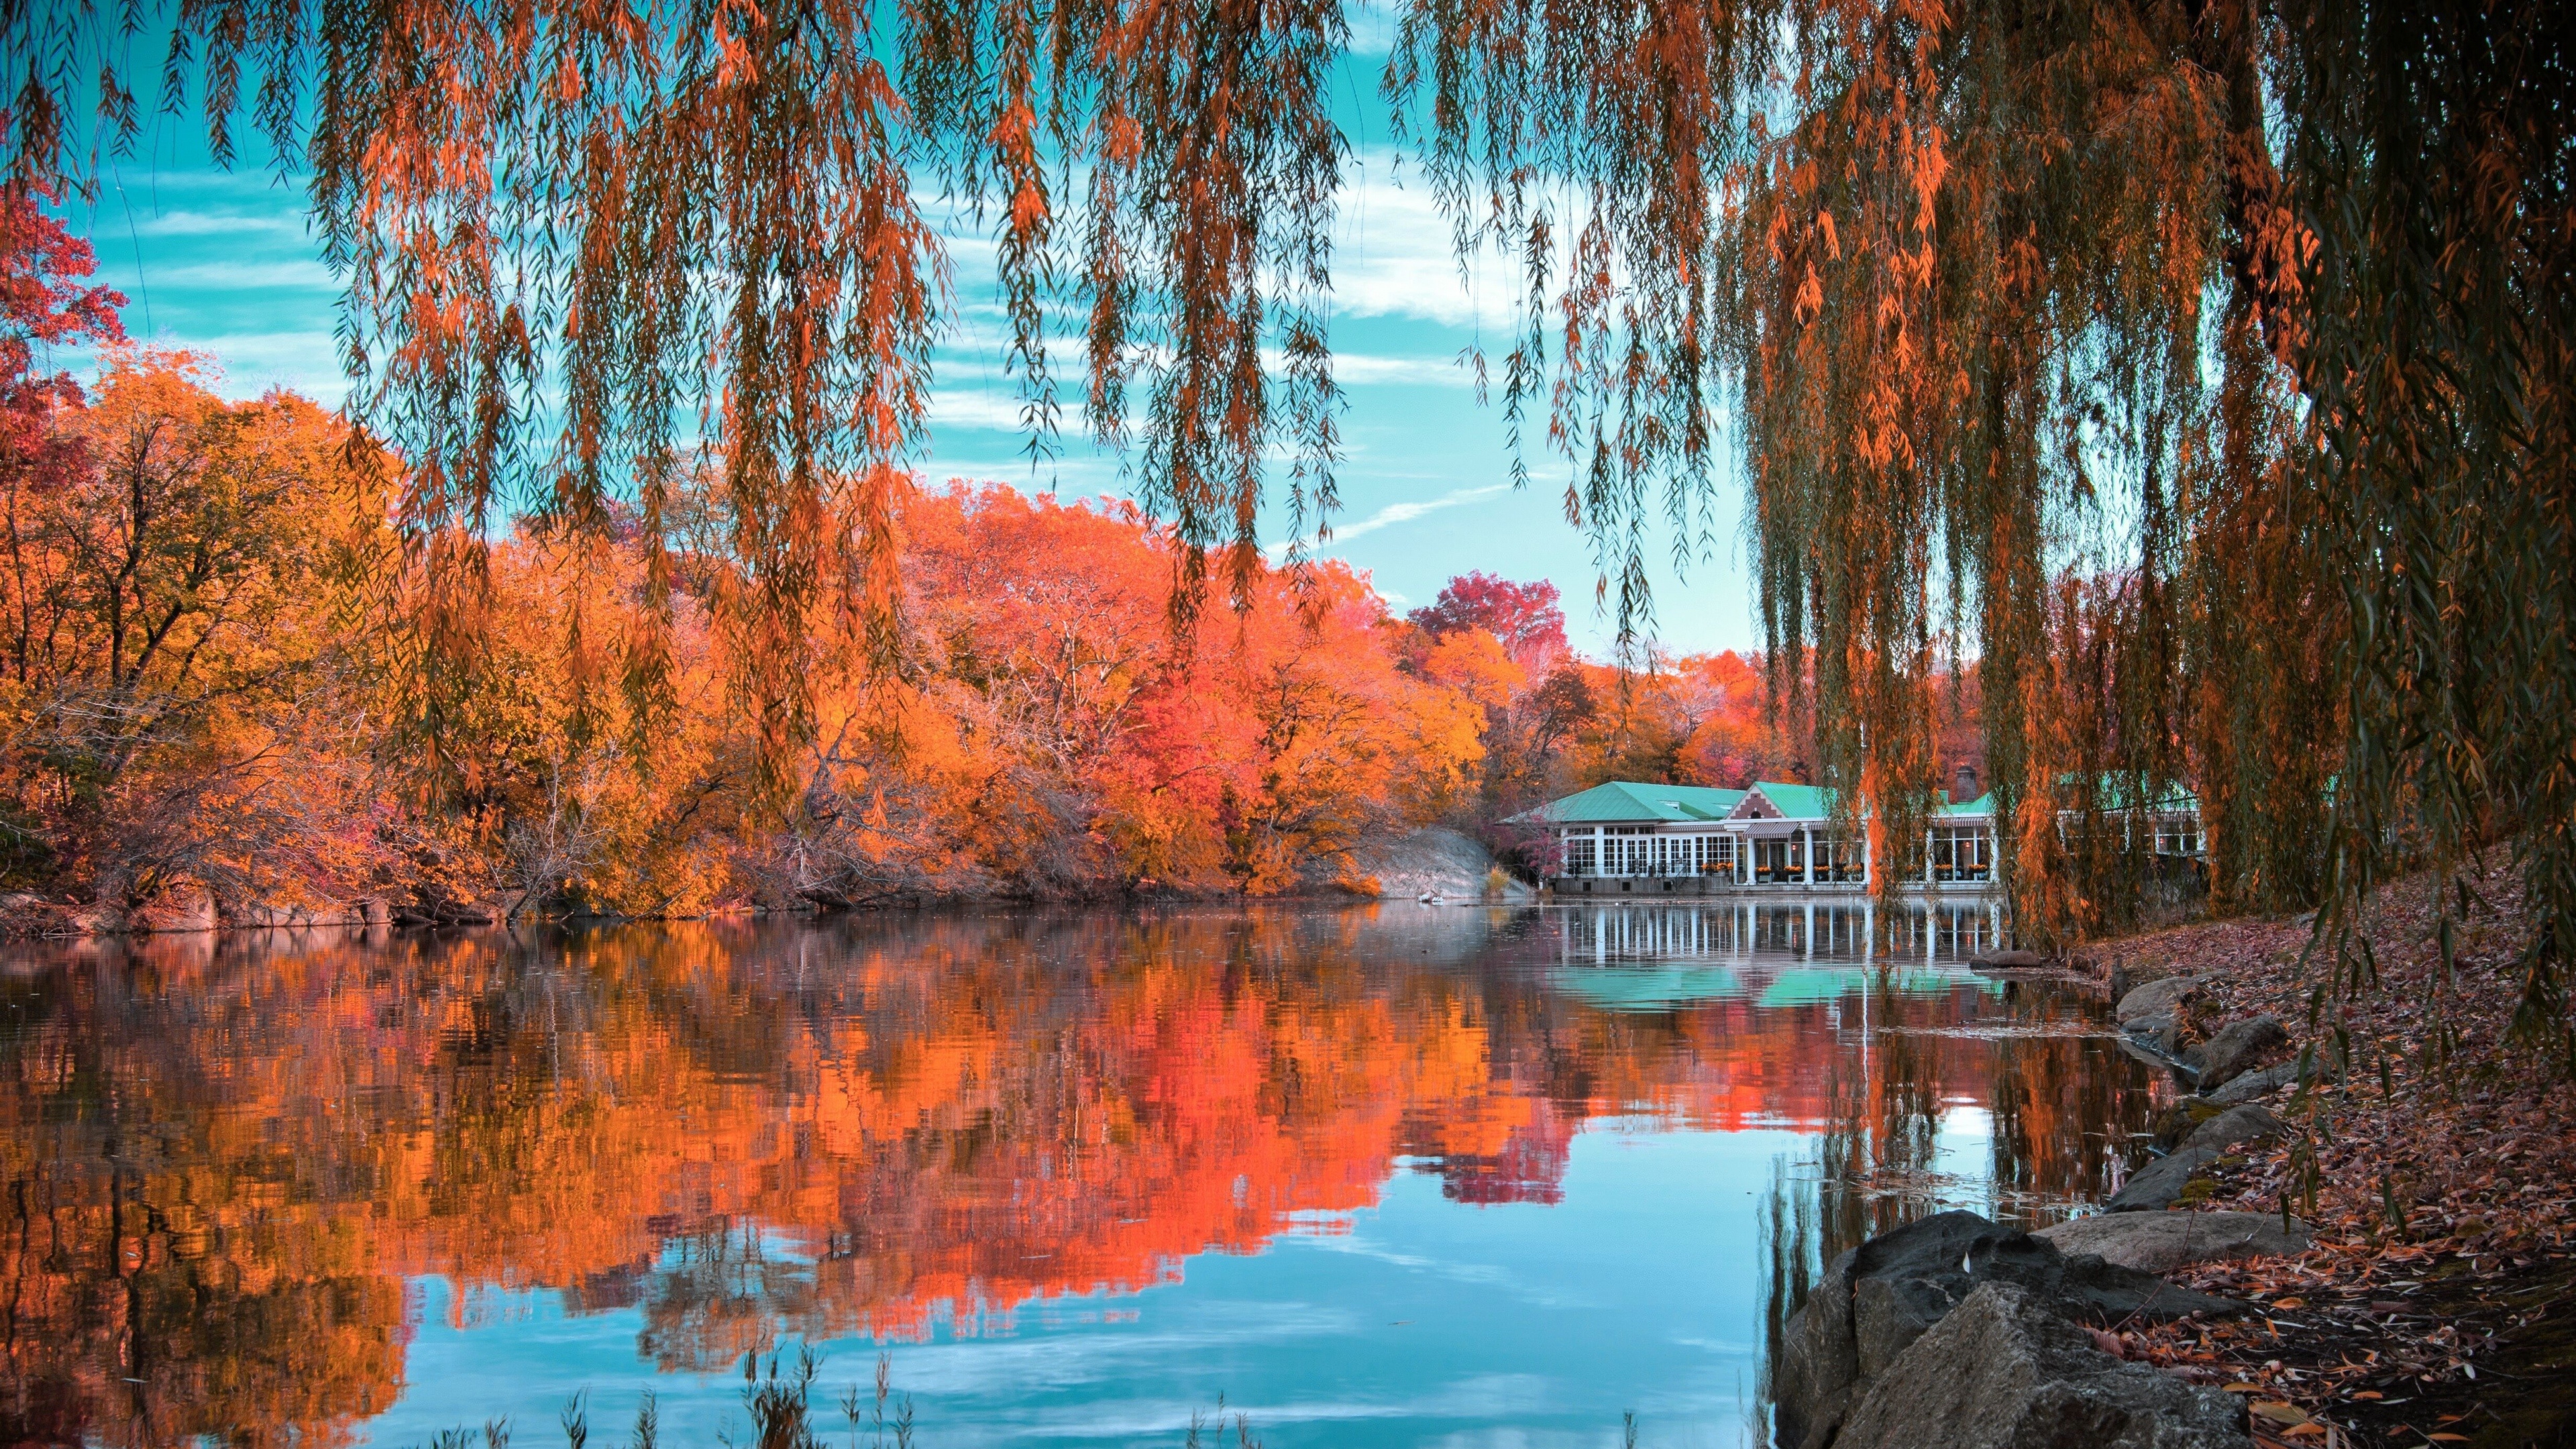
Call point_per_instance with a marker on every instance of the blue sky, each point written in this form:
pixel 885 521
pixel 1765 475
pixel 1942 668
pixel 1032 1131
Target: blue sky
pixel 222 262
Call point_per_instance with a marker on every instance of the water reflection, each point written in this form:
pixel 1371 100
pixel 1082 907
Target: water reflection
pixel 243 1180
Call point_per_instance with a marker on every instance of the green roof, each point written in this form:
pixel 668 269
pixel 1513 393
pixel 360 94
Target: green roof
pixel 1815 802
pixel 1797 802
pixel 1629 800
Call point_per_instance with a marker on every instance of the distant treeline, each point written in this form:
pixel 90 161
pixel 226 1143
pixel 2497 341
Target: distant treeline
pixel 235 677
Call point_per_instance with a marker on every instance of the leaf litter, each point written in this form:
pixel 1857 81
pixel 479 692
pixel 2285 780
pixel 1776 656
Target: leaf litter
pixel 2434 1162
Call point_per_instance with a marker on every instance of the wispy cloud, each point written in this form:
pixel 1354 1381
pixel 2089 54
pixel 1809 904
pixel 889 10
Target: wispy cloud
pixel 1360 369
pixel 1391 515
pixel 299 272
pixel 184 222
pixel 1395 256
pixel 993 409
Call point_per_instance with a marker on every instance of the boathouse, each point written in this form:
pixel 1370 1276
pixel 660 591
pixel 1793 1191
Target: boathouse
pixel 1630 838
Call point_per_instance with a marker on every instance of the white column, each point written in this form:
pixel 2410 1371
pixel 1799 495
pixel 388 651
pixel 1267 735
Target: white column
pixel 1807 833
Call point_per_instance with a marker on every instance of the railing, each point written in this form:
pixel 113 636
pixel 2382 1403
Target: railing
pixel 1592 871
pixel 1794 876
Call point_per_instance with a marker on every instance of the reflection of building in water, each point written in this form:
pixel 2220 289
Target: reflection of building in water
pixel 1827 929
pixel 1629 838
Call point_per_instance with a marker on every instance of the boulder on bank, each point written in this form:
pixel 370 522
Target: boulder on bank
pixel 2246 1088
pixel 182 908
pixel 2154 1012
pixel 1435 861
pixel 2181 1119
pixel 2003 1371
pixel 2250 1122
pixel 1877 1299
pixel 2160 1242
pixel 2160 1184
pixel 2206 1122
pixel 2236 1049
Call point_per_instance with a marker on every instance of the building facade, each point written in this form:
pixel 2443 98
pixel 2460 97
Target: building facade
pixel 1628 838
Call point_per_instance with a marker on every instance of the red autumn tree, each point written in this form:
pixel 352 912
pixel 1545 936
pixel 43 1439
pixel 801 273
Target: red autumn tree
pixel 1525 617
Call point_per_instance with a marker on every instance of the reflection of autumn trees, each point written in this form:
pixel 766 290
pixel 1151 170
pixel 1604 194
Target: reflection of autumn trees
pixel 221 1166
pixel 167 1265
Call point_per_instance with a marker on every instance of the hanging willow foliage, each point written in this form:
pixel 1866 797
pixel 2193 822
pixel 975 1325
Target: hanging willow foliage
pixel 2435 152
pixel 2195 368
pixel 567 229
pixel 2234 475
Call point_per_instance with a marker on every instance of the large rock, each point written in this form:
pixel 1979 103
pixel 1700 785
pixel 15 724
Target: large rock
pixel 2237 1049
pixel 2249 1122
pixel 2003 1371
pixel 2162 1242
pixel 2160 1184
pixel 1878 1298
pixel 2154 1012
pixel 1433 861
pixel 2181 1119
pixel 2251 1085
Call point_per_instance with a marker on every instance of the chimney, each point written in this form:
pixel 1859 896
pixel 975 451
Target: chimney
pixel 1963 788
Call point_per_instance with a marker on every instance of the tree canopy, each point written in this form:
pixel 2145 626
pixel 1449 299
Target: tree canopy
pixel 2198 367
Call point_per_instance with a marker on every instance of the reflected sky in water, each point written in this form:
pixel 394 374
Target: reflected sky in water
pixel 1385 1175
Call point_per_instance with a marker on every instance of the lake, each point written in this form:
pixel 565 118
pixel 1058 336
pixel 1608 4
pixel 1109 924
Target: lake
pixel 1376 1175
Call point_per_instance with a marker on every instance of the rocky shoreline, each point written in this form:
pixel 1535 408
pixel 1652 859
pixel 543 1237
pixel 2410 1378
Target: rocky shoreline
pixel 1953 1330
pixel 2382 1203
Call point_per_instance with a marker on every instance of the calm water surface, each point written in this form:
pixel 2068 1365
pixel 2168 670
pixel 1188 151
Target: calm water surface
pixel 1393 1175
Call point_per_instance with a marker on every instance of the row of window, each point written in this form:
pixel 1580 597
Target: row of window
pixel 1959 853
pixel 1650 855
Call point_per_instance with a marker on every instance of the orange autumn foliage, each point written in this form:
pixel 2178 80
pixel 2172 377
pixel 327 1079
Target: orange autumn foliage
pixel 238 674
